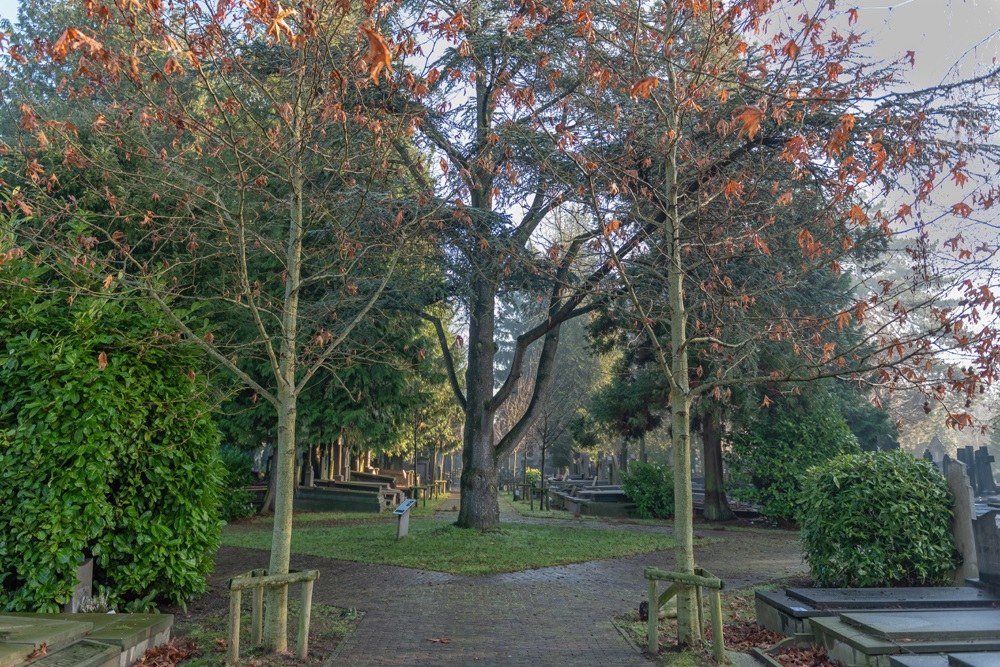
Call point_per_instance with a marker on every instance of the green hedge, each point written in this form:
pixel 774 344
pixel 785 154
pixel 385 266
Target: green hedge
pixel 651 488
pixel 107 450
pixel 877 519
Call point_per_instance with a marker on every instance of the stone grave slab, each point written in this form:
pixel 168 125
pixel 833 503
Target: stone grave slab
pixel 929 625
pixel 895 598
pixel 985 659
pixel 20 636
pixel 82 654
pixel 37 631
pixel 939 660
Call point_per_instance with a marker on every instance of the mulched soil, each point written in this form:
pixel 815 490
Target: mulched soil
pixel 749 635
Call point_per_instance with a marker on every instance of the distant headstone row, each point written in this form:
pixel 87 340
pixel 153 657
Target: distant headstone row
pixel 978 464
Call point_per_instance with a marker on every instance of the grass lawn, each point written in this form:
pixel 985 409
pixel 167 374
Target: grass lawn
pixel 439 546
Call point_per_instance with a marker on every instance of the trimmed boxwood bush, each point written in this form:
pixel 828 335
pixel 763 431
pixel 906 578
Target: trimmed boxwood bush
pixel 651 488
pixel 107 450
pixel 877 519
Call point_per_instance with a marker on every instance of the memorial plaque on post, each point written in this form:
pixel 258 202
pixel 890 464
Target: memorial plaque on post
pixel 403 512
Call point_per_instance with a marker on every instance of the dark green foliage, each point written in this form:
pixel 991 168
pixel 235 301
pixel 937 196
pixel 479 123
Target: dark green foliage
pixel 877 519
pixel 651 488
pixel 775 445
pixel 237 501
pixel 107 449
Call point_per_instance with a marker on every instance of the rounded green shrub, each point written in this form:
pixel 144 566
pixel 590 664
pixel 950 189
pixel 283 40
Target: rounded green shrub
pixel 532 476
pixel 107 451
pixel 877 519
pixel 774 446
pixel 651 488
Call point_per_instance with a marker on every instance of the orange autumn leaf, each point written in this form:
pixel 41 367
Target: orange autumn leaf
pixel 843 319
pixel 732 189
pixel 72 39
pixel 378 56
pixel 102 360
pixel 644 87
pixel 278 25
pixel 749 119
pixel 962 209
pixel 791 49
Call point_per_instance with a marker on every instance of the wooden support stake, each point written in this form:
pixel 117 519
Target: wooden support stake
pixel 305 613
pixel 718 646
pixel 652 641
pixel 258 616
pixel 700 612
pixel 235 598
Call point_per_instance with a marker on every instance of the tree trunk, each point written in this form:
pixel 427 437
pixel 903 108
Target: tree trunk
pixel 276 605
pixel 716 505
pixel 276 620
pixel 688 632
pixel 480 507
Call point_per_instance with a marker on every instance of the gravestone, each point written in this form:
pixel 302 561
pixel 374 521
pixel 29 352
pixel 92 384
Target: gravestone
pixel 84 589
pixel 964 511
pixel 967 456
pixel 928 456
pixel 987 533
pixel 984 472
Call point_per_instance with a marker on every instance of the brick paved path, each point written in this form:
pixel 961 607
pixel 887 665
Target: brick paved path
pixel 559 616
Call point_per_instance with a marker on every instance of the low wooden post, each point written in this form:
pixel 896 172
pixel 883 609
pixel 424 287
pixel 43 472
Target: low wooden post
pixel 257 616
pixel 257 611
pixel 718 646
pixel 233 656
pixel 652 622
pixel 304 617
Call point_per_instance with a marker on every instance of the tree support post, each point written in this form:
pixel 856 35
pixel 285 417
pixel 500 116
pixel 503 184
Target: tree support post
pixel 680 581
pixel 256 581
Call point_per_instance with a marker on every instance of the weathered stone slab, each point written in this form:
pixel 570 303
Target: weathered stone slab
pixel 82 654
pixel 13 654
pixel 894 598
pixel 127 630
pixel 930 625
pixel 918 661
pixel 36 631
pixel 986 659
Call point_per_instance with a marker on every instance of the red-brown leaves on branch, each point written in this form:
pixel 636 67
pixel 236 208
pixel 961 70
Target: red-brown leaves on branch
pixel 378 56
pixel 644 87
pixel 73 40
pixel 749 119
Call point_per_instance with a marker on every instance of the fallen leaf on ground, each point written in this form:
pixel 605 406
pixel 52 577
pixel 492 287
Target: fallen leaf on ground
pixel 439 640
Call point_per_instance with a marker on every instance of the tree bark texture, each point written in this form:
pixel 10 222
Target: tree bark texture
pixel 480 507
pixel 716 504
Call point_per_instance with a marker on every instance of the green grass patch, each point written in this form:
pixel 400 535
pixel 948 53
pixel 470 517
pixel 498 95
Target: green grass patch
pixel 441 547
